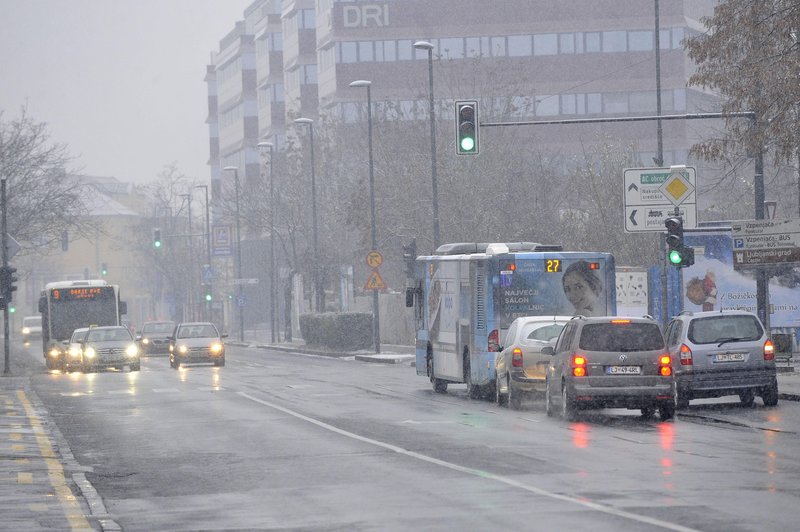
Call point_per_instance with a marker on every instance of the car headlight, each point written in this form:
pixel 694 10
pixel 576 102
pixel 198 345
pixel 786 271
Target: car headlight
pixel 26 330
pixel 89 352
pixel 74 352
pixel 183 348
pixel 216 348
pixel 145 341
pixel 131 350
pixel 54 352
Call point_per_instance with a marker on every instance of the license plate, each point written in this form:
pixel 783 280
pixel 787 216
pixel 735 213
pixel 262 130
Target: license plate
pixel 729 357
pixel 623 370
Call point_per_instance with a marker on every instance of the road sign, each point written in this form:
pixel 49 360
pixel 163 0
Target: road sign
pixel 208 273
pixel 241 301
pixel 651 195
pixel 12 246
pixel 245 281
pixel 374 259
pixel 758 242
pixel 221 241
pixel 375 282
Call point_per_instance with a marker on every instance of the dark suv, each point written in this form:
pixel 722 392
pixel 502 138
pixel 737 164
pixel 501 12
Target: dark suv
pixel 720 353
pixel 610 362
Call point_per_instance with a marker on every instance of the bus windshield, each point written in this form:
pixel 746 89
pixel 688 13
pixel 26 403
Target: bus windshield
pixel 72 308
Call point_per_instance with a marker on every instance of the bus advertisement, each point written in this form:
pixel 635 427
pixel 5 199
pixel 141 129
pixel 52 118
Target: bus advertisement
pixel 466 296
pixel 69 305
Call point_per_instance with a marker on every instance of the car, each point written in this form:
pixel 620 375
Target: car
pixel 196 342
pixel 153 338
pixel 520 367
pixel 720 353
pixel 610 362
pixel 73 351
pixel 31 328
pixel 109 347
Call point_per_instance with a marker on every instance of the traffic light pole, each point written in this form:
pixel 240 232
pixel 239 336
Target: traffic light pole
pixel 6 331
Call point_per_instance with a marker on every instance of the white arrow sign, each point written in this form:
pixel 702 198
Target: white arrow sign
pixel 652 193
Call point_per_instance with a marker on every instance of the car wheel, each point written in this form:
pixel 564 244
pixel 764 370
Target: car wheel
pixel 500 398
pixel 514 397
pixel 134 367
pixel 219 363
pixel 747 397
pixel 567 405
pixel 770 395
pixel 682 400
pixel 666 411
pixel 648 412
pixel 438 385
pixel 548 400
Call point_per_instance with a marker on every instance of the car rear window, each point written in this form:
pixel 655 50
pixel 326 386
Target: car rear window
pixel 622 337
pixel 542 332
pixel 717 329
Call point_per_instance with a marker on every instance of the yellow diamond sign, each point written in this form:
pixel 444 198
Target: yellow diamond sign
pixel 677 187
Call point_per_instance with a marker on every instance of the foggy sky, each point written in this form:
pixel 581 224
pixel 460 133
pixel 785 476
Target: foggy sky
pixel 119 81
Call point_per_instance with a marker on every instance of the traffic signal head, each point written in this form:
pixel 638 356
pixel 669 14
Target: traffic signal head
pixel 156 238
pixel 674 239
pixel 208 296
pixel 104 269
pixel 410 257
pixel 467 127
pixel 7 282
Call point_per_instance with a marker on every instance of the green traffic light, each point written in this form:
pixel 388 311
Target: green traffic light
pixel 675 256
pixel 208 297
pixel 12 310
pixel 157 243
pixel 467 143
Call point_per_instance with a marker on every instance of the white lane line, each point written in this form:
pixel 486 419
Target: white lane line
pixel 477 472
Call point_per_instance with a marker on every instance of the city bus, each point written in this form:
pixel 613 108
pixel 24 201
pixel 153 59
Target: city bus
pixel 69 305
pixel 466 295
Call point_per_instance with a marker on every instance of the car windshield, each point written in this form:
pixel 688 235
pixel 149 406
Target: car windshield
pixel 197 331
pixel 621 337
pixel 77 336
pixel 160 327
pixel 108 335
pixel 716 329
pixel 32 322
pixel 544 332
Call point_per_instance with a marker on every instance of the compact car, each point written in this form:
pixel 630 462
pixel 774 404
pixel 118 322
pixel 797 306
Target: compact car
pixel 610 362
pixel 109 347
pixel 722 352
pixel 520 366
pixel 153 338
pixel 31 328
pixel 73 351
pixel 196 342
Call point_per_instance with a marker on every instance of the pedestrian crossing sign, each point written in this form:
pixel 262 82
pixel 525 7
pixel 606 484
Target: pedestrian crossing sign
pixel 375 282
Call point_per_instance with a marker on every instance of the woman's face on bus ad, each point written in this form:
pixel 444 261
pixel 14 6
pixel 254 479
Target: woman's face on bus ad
pixel 578 291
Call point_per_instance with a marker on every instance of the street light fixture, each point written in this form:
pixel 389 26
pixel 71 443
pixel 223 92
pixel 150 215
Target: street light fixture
pixel 209 280
pixel 317 291
pixel 272 323
pixel 376 328
pixel 239 300
pixel 425 45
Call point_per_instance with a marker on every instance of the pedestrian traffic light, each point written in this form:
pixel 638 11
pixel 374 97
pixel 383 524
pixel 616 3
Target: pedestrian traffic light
pixel 467 127
pixel 12 309
pixel 410 257
pixel 677 253
pixel 7 283
pixel 104 269
pixel 207 295
pixel 156 238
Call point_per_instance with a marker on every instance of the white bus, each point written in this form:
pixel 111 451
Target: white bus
pixel 69 305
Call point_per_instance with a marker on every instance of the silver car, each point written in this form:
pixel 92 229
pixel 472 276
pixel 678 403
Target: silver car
pixel 109 347
pixel 196 342
pixel 521 367
pixel 719 353
pixel 610 362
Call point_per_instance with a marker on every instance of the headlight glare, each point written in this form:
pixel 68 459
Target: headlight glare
pixel 183 348
pixel 131 351
pixel 216 347
pixel 145 341
pixel 89 352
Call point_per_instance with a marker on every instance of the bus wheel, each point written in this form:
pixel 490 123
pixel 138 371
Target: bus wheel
pixel 439 385
pixel 473 390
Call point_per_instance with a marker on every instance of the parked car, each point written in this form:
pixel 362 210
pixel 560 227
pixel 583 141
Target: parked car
pixel 521 367
pixel 73 352
pixel 31 328
pixel 109 347
pixel 722 353
pixel 153 339
pixel 614 362
pixel 196 342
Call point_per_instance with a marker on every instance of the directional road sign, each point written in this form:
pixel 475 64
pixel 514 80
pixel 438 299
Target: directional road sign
pixel 759 242
pixel 651 195
pixel 245 281
pixel 12 246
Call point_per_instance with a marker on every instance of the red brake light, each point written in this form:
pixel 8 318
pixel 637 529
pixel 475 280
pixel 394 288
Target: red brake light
pixel 516 357
pixel 769 350
pixel 594 265
pixel 686 355
pixel 665 360
pixel 493 341
pixel 578 365
pixel 579 360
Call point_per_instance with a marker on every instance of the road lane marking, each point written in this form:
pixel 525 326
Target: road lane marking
pixel 55 472
pixel 477 472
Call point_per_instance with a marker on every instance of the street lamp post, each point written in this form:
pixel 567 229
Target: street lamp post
pixel 317 291
pixel 425 45
pixel 209 280
pixel 239 301
pixel 272 322
pixel 376 328
pixel 190 292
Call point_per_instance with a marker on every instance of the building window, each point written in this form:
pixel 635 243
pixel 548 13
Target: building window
pixel 592 42
pixel 568 104
pixel 473 46
pixel 640 41
pixel 519 46
pixel 365 51
pixel 616 102
pixel 389 51
pixel 498 46
pixel 594 103
pixel 545 44
pixel 566 43
pixel 405 50
pixel 451 48
pixel 614 41
pixel 643 102
pixel 547 105
pixel 349 52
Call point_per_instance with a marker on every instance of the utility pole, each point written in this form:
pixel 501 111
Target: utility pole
pixel 4 229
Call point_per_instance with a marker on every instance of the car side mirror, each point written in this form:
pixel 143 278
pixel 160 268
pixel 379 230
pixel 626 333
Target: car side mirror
pixel 65 342
pixel 223 335
pixel 548 350
pixel 138 337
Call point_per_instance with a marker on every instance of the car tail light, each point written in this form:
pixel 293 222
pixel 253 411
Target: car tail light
pixel 493 341
pixel 620 322
pixel 686 355
pixel 769 350
pixel 665 363
pixel 578 365
pixel 516 357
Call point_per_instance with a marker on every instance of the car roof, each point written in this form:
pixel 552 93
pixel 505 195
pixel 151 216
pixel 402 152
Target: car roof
pixel 194 323
pixel 608 319
pixel 548 319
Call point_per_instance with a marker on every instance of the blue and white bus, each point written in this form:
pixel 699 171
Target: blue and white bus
pixel 467 294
